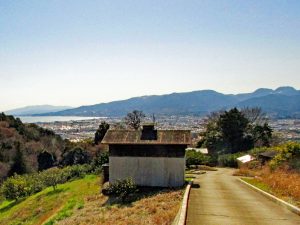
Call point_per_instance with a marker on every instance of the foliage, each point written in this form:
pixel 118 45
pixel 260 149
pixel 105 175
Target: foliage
pixel 134 119
pixel 289 154
pixel 49 205
pixel 229 160
pixel 196 158
pixel 100 159
pixel 18 166
pixel 100 132
pixel 20 145
pixel 236 131
pixel 45 160
pixel 52 177
pixel 15 187
pixel 155 206
pixel 76 156
pixel 233 126
pixel 122 188
pixel 19 186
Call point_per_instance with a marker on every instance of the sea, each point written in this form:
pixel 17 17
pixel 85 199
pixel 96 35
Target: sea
pixel 48 119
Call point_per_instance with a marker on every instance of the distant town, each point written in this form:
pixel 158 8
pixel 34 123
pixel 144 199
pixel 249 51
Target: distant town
pixel 288 129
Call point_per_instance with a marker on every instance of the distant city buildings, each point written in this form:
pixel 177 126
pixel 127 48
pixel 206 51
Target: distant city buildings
pixel 79 130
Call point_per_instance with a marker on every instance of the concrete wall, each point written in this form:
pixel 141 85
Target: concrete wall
pixel 148 171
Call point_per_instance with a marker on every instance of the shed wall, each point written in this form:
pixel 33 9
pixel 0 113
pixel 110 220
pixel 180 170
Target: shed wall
pixel 148 171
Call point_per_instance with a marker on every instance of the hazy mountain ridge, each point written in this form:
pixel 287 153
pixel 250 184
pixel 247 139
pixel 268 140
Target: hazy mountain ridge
pixel 36 109
pixel 283 101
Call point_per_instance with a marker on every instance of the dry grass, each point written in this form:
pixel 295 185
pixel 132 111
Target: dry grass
pixel 282 182
pixel 245 172
pixel 158 208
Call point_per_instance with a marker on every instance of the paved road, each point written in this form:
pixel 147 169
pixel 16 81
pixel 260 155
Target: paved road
pixel 222 200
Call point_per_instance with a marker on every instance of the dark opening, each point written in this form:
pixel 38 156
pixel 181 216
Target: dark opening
pixel 148 132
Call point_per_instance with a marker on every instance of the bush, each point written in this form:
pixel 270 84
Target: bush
pixel 121 188
pixel 100 159
pixel 77 171
pixel 197 158
pixel 229 160
pixel 19 186
pixel 76 156
pixel 287 155
pixel 15 187
pixel 52 177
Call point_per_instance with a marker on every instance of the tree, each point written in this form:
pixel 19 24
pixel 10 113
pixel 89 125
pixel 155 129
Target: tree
pixel 100 132
pixel 255 115
pixel 52 177
pixel 45 160
pixel 233 125
pixel 262 135
pixel 100 159
pixel 232 131
pixel 75 156
pixel 134 119
pixel 14 187
pixel 18 166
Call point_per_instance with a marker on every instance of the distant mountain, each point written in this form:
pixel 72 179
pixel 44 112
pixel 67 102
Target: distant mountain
pixel 196 102
pixel 37 109
pixel 275 104
pixel 284 101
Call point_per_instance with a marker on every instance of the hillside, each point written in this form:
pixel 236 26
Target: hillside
pixel 81 202
pixel 29 139
pixel 283 101
pixel 30 110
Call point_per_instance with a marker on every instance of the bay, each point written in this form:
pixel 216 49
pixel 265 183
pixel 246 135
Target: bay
pixel 48 119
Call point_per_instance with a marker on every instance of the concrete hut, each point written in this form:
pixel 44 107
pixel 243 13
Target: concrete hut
pixel 150 157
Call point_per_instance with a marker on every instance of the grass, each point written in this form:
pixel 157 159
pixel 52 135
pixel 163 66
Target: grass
pixel 150 206
pixel 258 184
pixel 282 183
pixel 80 202
pixel 48 206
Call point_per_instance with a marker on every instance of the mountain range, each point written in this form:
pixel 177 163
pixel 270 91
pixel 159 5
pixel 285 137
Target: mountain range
pixel 281 102
pixel 36 109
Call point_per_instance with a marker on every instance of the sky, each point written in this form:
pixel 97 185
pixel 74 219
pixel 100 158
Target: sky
pixel 87 52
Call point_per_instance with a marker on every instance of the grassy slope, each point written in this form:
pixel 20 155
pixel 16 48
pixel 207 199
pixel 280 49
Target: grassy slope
pixel 37 209
pixel 151 207
pixel 79 202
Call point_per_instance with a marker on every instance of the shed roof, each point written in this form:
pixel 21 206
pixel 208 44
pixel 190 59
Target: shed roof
pixel 268 154
pixel 164 137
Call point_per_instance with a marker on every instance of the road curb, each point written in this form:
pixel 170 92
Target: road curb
pixel 279 201
pixel 182 213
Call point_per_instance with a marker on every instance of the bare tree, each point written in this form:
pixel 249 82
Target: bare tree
pixel 255 115
pixel 134 119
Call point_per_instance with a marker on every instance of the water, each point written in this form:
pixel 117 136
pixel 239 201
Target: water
pixel 36 119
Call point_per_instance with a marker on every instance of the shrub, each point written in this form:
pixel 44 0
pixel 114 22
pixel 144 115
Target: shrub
pixel 15 187
pixel 76 156
pixel 122 188
pixel 287 155
pixel 229 160
pixel 197 158
pixel 100 159
pixel 53 177
pixel 19 186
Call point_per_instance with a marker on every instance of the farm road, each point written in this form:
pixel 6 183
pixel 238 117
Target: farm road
pixel 222 200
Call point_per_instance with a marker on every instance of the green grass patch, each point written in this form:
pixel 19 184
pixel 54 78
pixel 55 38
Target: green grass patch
pixel 258 184
pixel 49 206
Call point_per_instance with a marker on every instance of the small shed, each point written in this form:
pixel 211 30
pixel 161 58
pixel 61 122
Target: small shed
pixel 266 156
pixel 150 157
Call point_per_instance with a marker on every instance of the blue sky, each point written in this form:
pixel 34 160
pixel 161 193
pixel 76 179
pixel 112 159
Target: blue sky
pixel 87 52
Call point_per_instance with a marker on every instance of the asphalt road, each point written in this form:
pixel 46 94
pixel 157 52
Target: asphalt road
pixel 222 200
